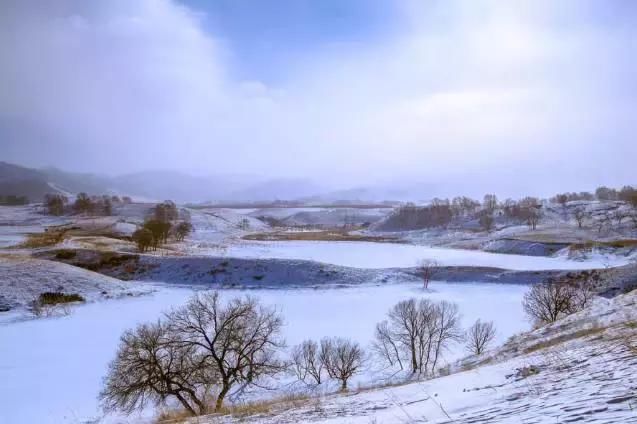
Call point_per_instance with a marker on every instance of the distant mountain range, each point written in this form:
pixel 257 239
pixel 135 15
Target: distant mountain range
pixel 180 187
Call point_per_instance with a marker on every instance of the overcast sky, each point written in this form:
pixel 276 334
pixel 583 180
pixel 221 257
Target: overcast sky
pixel 505 95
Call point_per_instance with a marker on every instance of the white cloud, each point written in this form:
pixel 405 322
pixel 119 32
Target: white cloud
pixel 465 87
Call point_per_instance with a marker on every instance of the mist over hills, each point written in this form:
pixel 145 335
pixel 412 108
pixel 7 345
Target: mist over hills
pixel 180 187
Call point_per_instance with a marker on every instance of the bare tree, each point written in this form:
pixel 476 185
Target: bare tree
pixel 427 268
pixel 479 336
pixel 342 358
pixel 580 215
pixel 182 230
pixel 55 204
pixel 238 339
pixel 386 345
pixel 602 220
pixel 405 328
pixel 553 298
pixel 619 215
pixel 490 202
pixel 486 221
pixel 447 325
pixel 150 367
pixel 547 301
pixel 307 363
pixel 417 332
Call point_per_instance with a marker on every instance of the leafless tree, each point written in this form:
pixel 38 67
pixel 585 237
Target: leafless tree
pixel 490 202
pixel 150 367
pixel 342 358
pixel 553 298
pixel 239 339
pixel 479 336
pixel 405 324
pixel 386 345
pixel 427 268
pixel 417 332
pixel 619 215
pixel 547 301
pixel 486 221
pixel 307 363
pixel 602 220
pixel 580 215
pixel 447 325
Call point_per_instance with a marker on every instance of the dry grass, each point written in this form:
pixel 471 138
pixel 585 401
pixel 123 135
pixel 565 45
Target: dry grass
pixel 562 338
pixel 45 239
pixel 326 235
pixel 617 244
pixel 247 409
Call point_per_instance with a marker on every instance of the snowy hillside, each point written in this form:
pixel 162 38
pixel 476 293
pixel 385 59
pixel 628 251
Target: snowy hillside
pixel 580 369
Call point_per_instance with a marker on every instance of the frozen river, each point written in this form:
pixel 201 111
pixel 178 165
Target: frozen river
pixel 51 369
pixel 388 255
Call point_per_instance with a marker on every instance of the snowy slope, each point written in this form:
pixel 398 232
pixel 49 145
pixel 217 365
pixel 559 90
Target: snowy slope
pixel 24 278
pixel 587 374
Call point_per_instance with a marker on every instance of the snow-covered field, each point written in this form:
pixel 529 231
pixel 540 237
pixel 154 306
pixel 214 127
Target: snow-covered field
pixel 388 255
pixel 51 369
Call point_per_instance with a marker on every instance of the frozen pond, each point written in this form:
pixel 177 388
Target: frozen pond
pixel 388 255
pixel 51 369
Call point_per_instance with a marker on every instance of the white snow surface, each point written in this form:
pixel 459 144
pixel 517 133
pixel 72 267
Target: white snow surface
pixel 60 361
pixel 23 278
pixel 586 375
pixel 396 255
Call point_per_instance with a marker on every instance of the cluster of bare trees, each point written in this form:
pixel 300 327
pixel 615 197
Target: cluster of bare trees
pixel 196 354
pixel 337 357
pixel 411 217
pixel 58 204
pixel 200 354
pixel 162 223
pixel 442 213
pixel 416 333
pixel 550 300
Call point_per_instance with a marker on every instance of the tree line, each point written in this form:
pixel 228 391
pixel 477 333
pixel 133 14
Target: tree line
pixel 442 213
pixel 57 204
pixel 13 200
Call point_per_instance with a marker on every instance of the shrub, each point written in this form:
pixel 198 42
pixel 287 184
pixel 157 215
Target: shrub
pixel 55 298
pixel 65 254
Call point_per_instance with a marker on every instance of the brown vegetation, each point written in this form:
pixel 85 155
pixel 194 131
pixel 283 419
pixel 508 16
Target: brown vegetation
pixel 327 235
pixel 198 352
pixel 49 237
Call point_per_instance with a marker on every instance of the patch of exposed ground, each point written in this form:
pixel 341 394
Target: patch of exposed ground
pixel 321 235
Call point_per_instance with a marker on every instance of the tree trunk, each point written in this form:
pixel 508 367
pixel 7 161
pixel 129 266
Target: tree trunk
pixel 222 394
pixel 185 404
pixel 414 360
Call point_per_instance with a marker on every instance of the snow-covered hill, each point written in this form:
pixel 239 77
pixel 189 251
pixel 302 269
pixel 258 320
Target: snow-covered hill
pixel 580 369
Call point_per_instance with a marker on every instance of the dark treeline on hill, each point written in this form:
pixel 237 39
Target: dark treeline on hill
pixel 58 204
pixel 13 200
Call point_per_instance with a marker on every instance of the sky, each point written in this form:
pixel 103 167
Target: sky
pixel 457 96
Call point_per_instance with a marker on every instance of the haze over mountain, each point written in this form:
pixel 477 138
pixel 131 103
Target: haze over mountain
pixel 509 97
